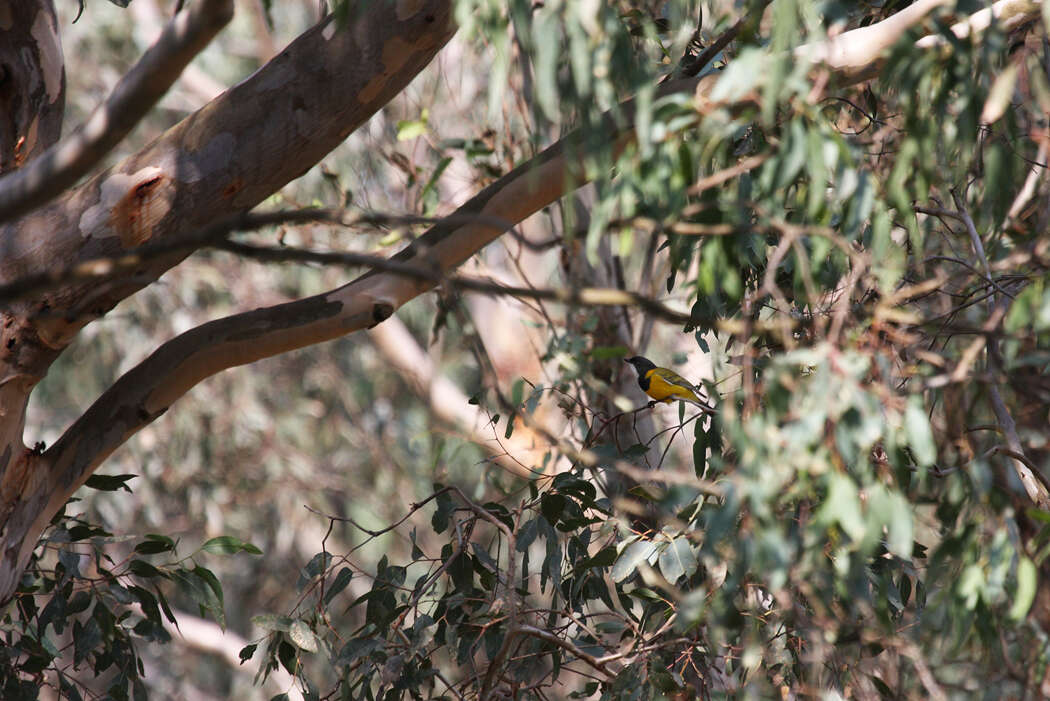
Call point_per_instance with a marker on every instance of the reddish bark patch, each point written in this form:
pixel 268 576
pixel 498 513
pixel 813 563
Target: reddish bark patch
pixel 233 188
pixel 20 156
pixel 135 215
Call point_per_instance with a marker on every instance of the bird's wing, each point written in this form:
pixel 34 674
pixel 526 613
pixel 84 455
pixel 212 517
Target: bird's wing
pixel 673 378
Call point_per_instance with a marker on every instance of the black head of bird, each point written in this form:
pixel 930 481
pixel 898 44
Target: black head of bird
pixel 641 365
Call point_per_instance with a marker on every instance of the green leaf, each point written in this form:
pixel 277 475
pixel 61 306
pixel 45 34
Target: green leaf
pixel 889 509
pixel 203 587
pixel 338 584
pixel 356 649
pixel 273 622
pixel 247 652
pixel 165 607
pixel 920 435
pixel 743 74
pixel 788 165
pixel 411 128
pixel 1000 95
pixel 1038 514
pixel 152 547
pixel 228 545
pixel 636 451
pixel 209 578
pixel 607 352
pixel 552 506
pixel 445 506
pixel 678 560
pixel 603 558
pixel 109 483
pixel 527 534
pixel 432 182
pixel 141 568
pixel 1026 587
pixel 517 392
pixel 842 506
pixel 302 637
pixel 632 556
pixel 817 174
pixel 699 449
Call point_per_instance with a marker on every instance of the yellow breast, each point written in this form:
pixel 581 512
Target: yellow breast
pixel 662 390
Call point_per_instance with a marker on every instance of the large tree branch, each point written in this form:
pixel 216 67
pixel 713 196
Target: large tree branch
pixel 857 55
pixel 229 156
pixel 136 93
pixel 149 389
pixel 209 637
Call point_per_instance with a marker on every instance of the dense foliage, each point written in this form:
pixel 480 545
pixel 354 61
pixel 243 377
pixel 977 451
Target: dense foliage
pixel 865 266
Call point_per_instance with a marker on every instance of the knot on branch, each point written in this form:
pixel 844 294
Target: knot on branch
pixel 381 311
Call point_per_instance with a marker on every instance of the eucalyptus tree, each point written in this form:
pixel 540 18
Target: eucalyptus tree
pixel 852 200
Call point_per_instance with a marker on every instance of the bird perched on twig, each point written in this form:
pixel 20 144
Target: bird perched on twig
pixel 664 385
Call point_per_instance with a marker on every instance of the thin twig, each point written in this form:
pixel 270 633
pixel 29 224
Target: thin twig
pixel 585 296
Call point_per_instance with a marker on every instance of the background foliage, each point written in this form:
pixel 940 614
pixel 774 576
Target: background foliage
pixel 865 269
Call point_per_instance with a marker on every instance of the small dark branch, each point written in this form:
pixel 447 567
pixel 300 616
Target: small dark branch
pixel 584 296
pixel 375 534
pixel 62 165
pixel 573 650
pixel 692 66
pixel 696 43
pixel 535 246
pixel 975 239
pixel 102 269
pixel 1033 482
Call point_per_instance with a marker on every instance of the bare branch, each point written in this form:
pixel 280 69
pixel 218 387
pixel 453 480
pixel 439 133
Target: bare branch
pixel 136 93
pixel 227 157
pixel 856 55
pixel 1033 486
pixel 581 296
pixel 102 269
pixel 692 65
pixel 148 390
pixel 521 454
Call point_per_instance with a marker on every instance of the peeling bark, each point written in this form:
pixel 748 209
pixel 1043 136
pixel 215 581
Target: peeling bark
pixel 32 81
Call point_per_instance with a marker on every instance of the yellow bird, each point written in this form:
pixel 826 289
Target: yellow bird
pixel 664 385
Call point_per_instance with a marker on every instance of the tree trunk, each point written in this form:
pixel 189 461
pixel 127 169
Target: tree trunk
pixel 229 156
